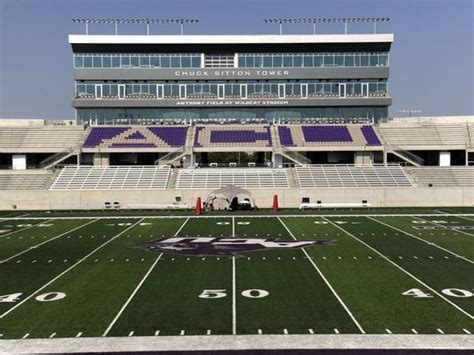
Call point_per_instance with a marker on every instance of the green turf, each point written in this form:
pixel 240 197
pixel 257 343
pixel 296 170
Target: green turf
pixel 370 285
pixel 48 258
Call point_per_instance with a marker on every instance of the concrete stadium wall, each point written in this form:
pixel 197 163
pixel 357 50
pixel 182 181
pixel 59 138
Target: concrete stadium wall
pixel 288 198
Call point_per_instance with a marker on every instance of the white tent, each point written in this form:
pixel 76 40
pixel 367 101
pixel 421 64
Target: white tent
pixel 229 198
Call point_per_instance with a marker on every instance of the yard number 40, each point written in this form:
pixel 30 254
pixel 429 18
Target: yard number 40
pixel 44 297
pixel 453 292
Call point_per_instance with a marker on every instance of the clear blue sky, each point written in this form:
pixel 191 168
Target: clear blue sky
pixel 432 61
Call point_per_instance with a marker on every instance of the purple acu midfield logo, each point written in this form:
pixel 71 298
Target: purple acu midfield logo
pixel 203 246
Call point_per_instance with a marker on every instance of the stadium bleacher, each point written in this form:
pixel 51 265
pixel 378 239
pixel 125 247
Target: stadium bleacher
pixel 246 178
pixel 424 134
pixel 25 180
pixel 311 135
pixel 442 176
pixel 40 138
pixel 233 136
pixel 136 137
pixel 112 178
pixel 332 176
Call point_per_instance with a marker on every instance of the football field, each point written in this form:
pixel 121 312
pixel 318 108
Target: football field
pixel 99 276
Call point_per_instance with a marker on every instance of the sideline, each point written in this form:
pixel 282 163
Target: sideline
pixel 239 342
pixel 254 216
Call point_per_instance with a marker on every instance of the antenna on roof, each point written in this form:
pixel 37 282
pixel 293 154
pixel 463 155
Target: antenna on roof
pixel 314 21
pixel 147 22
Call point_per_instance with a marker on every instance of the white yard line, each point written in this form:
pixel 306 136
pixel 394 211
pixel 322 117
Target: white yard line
pixel 442 225
pixel 68 269
pixel 117 316
pixel 125 305
pixel 402 269
pixel 23 229
pixel 234 296
pixel 421 239
pixel 46 241
pixel 234 299
pixel 327 282
pixel 467 219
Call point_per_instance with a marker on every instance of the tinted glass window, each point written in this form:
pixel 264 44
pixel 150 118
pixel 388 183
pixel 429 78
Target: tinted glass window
pixel 78 62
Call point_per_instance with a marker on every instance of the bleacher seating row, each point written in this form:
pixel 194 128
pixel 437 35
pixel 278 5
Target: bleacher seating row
pixel 427 134
pixel 442 176
pixel 112 178
pixel 310 135
pixel 136 137
pixel 334 176
pixel 41 137
pixel 25 180
pixel 244 178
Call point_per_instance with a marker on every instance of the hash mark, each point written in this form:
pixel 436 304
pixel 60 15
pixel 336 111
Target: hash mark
pixel 78 335
pixel 311 331
pixel 208 332
pixel 336 331
pixel 388 331
pixel 440 331
pixel 157 333
pixel 18 261
pixel 52 335
pixel 466 331
pixel 182 332
pixel 414 331
pixel 260 332
pixel 285 331
pixel 34 261
pixel 130 334
pixel 26 336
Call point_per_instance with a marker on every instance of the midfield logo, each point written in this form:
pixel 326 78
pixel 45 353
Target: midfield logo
pixel 203 246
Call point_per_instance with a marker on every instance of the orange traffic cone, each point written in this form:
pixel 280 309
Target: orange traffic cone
pixel 197 210
pixel 275 203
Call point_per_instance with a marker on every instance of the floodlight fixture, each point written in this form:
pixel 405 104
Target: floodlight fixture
pixel 145 21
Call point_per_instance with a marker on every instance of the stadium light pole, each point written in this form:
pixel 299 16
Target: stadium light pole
pixel 328 20
pixel 147 22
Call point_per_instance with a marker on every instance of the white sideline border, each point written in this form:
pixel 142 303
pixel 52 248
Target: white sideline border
pixel 251 216
pixel 239 342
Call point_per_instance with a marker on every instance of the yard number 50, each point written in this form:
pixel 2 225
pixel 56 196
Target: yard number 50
pixel 221 293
